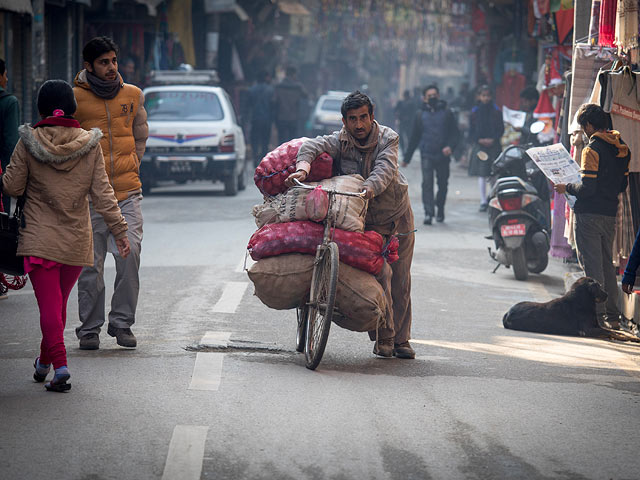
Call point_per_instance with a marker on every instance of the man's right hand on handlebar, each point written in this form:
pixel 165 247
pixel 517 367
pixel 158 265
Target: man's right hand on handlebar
pixel 300 175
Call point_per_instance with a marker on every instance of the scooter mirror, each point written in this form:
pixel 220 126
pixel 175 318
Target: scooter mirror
pixel 537 127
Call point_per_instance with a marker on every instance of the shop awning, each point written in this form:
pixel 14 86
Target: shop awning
pixel 18 6
pixel 291 7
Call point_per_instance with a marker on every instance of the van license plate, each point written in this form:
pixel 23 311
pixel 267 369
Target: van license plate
pixel 516 230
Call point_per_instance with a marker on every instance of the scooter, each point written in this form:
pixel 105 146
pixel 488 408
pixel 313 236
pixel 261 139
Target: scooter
pixel 519 213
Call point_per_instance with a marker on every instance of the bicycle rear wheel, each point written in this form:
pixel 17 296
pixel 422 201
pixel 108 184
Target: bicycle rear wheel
pixel 322 300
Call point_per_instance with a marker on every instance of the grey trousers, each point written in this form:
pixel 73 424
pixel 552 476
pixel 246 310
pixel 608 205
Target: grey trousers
pixel 399 284
pixel 594 244
pixel 91 289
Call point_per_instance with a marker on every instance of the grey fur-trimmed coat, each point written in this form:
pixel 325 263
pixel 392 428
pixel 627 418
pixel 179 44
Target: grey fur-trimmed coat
pixel 60 167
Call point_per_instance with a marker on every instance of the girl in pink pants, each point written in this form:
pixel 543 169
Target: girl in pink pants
pixel 57 166
pixel 52 283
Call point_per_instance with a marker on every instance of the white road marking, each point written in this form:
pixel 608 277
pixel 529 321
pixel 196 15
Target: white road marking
pixel 207 372
pixel 231 297
pixel 215 339
pixel 186 451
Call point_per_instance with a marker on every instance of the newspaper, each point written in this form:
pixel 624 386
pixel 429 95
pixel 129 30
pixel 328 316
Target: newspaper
pixel 557 165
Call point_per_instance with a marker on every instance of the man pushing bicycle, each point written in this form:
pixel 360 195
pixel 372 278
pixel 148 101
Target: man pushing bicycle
pixel 367 148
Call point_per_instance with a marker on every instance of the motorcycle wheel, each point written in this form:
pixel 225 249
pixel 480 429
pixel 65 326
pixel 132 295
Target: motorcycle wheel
pixel 538 265
pixel 519 264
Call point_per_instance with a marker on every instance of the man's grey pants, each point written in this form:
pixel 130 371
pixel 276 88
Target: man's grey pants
pixel 594 243
pixel 91 290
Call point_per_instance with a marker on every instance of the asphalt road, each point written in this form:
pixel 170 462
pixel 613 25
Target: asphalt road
pixel 479 401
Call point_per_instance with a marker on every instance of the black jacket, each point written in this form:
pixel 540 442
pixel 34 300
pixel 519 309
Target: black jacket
pixel 449 135
pixel 605 174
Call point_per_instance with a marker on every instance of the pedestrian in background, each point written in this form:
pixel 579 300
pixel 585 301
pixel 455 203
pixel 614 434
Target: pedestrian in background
pixel 485 130
pixel 9 121
pixel 59 166
pixel 435 130
pixel 289 98
pixel 604 170
pixel 261 104
pixel 117 108
pixel 404 111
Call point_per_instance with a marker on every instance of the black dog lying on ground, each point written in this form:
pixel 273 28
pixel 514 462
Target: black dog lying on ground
pixel 572 314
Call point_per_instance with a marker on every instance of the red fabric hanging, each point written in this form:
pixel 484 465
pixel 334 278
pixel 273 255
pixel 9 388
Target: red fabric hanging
pixel 508 93
pixel 607 31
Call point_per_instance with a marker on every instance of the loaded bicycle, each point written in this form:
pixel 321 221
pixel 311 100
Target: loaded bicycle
pixel 314 317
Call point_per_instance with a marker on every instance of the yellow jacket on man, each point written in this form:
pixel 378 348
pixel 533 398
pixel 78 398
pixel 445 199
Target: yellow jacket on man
pixel 123 121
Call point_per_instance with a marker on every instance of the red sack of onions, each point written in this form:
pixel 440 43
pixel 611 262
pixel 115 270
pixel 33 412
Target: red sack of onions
pixel 316 205
pixel 278 164
pixel 366 251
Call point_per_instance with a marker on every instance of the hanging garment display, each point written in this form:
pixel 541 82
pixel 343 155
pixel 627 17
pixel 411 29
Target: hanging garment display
pixel 624 234
pixel 562 129
pixel 627 24
pixel 622 101
pixel 594 24
pixel 587 62
pixel 634 194
pixel 508 93
pixel 560 247
pixel 607 25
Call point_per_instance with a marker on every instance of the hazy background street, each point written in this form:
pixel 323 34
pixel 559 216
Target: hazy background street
pixel 478 402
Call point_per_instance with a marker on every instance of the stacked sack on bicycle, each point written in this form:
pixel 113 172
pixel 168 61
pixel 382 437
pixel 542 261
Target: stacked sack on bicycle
pixel 290 223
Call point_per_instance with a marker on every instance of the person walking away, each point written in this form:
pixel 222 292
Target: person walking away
pixel 435 129
pixel 117 108
pixel 485 130
pixel 404 112
pixel 9 121
pixel 604 170
pixel 261 102
pixel 59 165
pixel 289 96
pixel 528 100
pixel 367 148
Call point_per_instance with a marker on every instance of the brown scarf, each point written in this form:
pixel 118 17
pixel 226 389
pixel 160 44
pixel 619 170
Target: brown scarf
pixel 106 89
pixel 370 145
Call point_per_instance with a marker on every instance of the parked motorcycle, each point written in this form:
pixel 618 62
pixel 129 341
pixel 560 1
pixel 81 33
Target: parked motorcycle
pixel 519 213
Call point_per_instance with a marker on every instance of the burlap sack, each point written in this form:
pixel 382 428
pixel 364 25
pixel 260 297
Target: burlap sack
pixel 289 206
pixel 360 300
pixel 282 282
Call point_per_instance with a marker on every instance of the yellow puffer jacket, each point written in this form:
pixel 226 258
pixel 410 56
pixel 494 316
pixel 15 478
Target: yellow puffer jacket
pixel 123 121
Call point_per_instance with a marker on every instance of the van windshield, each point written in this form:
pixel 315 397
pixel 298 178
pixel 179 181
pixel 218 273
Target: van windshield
pixel 183 106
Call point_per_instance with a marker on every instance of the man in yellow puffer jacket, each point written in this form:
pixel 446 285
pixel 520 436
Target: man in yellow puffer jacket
pixel 117 108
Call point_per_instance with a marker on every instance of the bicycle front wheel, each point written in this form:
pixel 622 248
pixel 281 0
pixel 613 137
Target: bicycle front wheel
pixel 322 300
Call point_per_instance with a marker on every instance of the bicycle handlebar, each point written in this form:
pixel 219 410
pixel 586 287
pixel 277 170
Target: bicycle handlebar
pixel 328 190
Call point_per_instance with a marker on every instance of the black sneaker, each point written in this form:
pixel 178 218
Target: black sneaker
pixel 483 207
pixel 90 341
pixel 124 336
pixel 440 215
pixel 427 220
pixel 627 325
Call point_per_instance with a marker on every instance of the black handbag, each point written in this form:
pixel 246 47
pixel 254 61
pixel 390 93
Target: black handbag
pixel 10 262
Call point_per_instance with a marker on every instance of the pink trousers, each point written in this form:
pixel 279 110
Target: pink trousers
pixel 52 286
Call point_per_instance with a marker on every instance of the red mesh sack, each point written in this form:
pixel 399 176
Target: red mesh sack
pixel 316 205
pixel 278 164
pixel 366 251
